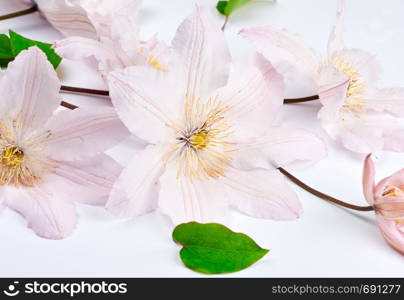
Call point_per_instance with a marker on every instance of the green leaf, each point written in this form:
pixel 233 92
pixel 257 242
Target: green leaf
pixel 20 43
pixel 228 6
pixel 214 249
pixel 6 54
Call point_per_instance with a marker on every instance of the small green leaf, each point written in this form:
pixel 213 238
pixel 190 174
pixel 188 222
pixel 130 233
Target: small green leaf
pixel 214 249
pixel 20 43
pixel 6 55
pixel 228 6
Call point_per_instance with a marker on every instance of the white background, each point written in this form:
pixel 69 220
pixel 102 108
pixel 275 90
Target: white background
pixel 326 241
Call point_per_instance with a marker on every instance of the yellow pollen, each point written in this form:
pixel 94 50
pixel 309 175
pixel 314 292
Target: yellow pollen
pixel 200 140
pixel 11 156
pixel 399 222
pixel 155 63
pixel 356 84
pixel 393 192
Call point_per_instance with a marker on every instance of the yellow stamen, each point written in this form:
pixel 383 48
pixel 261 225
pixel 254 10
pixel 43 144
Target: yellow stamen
pixel 155 63
pixel 12 156
pixel 393 192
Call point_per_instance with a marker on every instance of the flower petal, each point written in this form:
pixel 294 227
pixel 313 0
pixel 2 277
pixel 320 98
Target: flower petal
pixel 254 94
pixel 145 100
pixel 92 179
pixel 368 179
pixel 393 232
pixel 394 140
pixel 30 89
pixel 70 20
pixel 262 194
pixel 280 147
pixel 47 210
pixel 335 41
pixel 78 48
pixel 136 190
pixel 83 132
pixel 288 53
pixel 202 53
pixel 184 200
pixel 387 99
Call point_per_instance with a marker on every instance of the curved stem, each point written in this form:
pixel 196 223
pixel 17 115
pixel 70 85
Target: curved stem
pixel 24 12
pixel 68 105
pixel 65 88
pixel 299 100
pixel 322 195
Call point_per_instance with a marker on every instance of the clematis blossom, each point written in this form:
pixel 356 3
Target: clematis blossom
pixel 364 117
pixel 387 197
pixel 117 43
pixel 209 122
pixel 48 160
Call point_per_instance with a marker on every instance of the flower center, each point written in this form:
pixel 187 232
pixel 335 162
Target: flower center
pixel 356 84
pixel 393 192
pixel 13 168
pixel 202 148
pixel 200 139
pixel 11 156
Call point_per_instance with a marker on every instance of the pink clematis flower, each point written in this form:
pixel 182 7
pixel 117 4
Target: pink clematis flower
pixel 388 199
pixel 209 123
pixel 355 111
pixel 48 160
pixel 117 44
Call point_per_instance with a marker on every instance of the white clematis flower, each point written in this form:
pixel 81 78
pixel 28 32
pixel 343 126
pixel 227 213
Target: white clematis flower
pixel 209 123
pixel 355 110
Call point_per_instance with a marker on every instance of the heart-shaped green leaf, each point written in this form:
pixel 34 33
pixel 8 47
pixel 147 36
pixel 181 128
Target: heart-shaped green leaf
pixel 19 43
pixel 228 6
pixel 214 249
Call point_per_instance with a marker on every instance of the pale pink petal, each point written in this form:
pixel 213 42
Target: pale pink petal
pixel 387 99
pixel 202 53
pixel 368 179
pixel 279 147
pixel 76 48
pixel 393 232
pixel 47 210
pixel 394 140
pixel 184 200
pixel 254 94
pixel 92 178
pixel 136 190
pixel 288 53
pixel 335 41
pixel 262 194
pixel 30 90
pixel 70 20
pixel 83 132
pixel 362 135
pixel 145 100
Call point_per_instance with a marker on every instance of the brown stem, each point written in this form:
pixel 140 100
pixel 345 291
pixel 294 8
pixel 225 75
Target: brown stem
pixel 68 105
pixel 24 12
pixel 299 100
pixel 72 89
pixel 322 195
pixel 225 23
